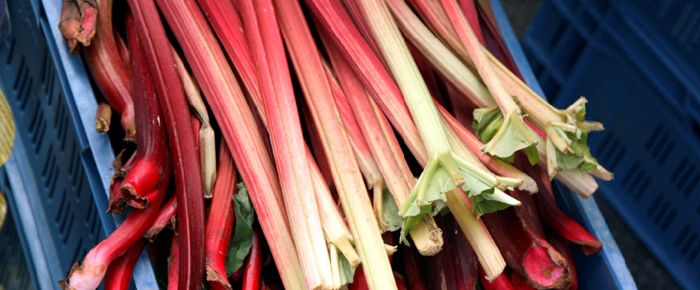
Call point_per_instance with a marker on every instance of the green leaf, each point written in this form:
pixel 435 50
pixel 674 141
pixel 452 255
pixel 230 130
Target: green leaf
pixel 491 201
pixel 428 195
pixel 242 238
pixel 486 122
pixel 513 135
pixel 390 212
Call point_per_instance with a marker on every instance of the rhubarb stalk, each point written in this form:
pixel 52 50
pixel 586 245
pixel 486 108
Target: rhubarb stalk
pixel 166 216
pixel 445 171
pixel 242 135
pixel 89 273
pixel 253 266
pixel 174 264
pixel 559 221
pixel 348 179
pixel 151 159
pixel 78 22
pixel 499 283
pixel 107 69
pixel 120 272
pixel 220 221
pixel 512 134
pixel 526 252
pixel 207 142
pixel 384 147
pixel 188 180
pixel 229 27
pixel 565 147
pixel 286 137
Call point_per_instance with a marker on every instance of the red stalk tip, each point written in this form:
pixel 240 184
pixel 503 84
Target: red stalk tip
pixel 220 221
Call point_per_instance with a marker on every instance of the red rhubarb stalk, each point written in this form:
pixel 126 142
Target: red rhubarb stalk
pixel 565 250
pixel 220 221
pixel 166 216
pixel 109 72
pixel 117 200
pixel 286 137
pixel 120 272
pixel 253 266
pixel 122 46
pixel 239 129
pixel 147 172
pixel 527 253
pixel 206 141
pixel 557 220
pixel 464 260
pixel 412 269
pixel 181 143
pixel 499 283
pixel 519 283
pixel 89 273
pixel 174 264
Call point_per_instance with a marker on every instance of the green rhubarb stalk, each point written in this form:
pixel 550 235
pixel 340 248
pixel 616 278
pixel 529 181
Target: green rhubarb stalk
pixel 372 125
pixel 340 241
pixel 308 64
pixel 445 171
pixel 287 139
pixel 566 157
pixel 368 166
pixel 507 132
pixel 440 56
pixel 566 146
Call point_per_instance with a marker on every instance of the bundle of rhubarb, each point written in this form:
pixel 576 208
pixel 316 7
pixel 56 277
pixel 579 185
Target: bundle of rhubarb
pixel 380 144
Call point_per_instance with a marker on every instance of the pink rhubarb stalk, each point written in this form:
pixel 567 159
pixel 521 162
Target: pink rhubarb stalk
pixel 229 27
pixel 239 129
pixel 346 174
pixel 286 137
pixel 220 221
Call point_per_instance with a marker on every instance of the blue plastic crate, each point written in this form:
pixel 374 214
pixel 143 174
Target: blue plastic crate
pixel 637 64
pixel 60 168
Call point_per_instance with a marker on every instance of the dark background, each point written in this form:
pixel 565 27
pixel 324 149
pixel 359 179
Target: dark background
pixel 647 272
